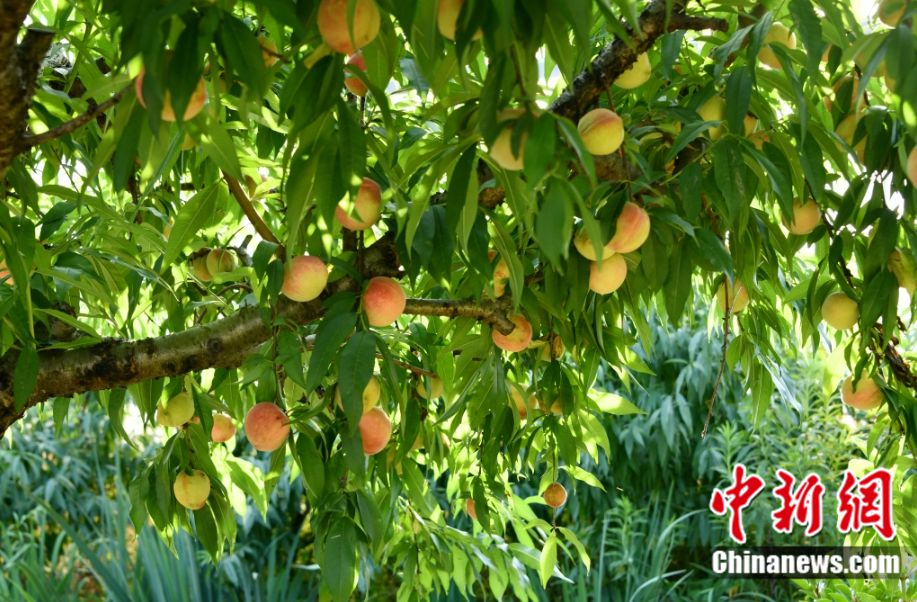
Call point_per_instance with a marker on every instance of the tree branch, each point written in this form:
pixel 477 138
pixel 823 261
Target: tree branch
pixel 260 227
pixel 77 122
pixel 492 312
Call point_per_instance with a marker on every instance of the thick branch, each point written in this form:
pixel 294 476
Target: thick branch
pixel 492 312
pixel 77 122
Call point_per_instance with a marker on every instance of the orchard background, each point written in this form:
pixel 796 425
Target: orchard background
pixel 456 252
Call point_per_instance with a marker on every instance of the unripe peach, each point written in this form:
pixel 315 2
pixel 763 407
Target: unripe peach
pixel 469 509
pixel 5 273
pixel 608 277
pixel 631 230
pixel 383 301
pixel 436 387
pixel 269 53
pixel 304 278
pixel 840 311
pixel 555 495
pixel 363 211
pixel 447 16
pixel 602 131
pixel 177 411
pixel 356 85
pixel 219 261
pixel 777 34
pixel 904 268
pixel 501 277
pixel 637 75
pixel 223 428
pixel 501 151
pixel 335 28
pixel 846 129
pixel 713 110
pixel 192 490
pixel 199 268
pixel 891 11
pixel 806 217
pixel 375 431
pixel 518 339
pixel 738 297
pixel 911 168
pixel 195 103
pixel 371 395
pixel 865 394
pixel 750 124
pixel 266 426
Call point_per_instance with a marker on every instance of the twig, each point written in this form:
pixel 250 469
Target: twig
pixel 260 227
pixel 77 122
pixel 719 375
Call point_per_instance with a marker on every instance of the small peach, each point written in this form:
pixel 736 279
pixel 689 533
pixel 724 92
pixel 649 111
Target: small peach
pixel 223 428
pixel 192 490
pixel 806 217
pixel 555 495
pixel 356 85
pixel 738 297
pixel 304 278
pixel 266 426
pixel 518 339
pixel 608 277
pixel 631 230
pixel 840 311
pixel 375 431
pixel 865 394
pixel 364 210
pixel 383 301
pixel 346 36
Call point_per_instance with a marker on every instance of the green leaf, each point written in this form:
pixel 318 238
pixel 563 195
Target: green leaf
pixel 191 217
pixel 289 354
pixel 548 559
pixel 331 334
pixel 339 559
pixel 580 548
pixel 738 96
pixel 554 225
pixel 875 297
pixel 612 403
pixel 242 51
pixel 218 145
pixel 356 368
pixel 581 474
pixel 714 251
pixel 25 375
pixel 311 464
pixel 809 25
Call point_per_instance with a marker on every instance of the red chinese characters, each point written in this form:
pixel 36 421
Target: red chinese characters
pixel 801 506
pixel 871 505
pixel 736 498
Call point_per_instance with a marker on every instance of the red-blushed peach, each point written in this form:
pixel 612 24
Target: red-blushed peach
pixel 555 495
pixel 356 85
pixel 223 428
pixel 631 230
pixel 363 211
pixel 304 278
pixel 343 35
pixel 383 301
pixel 191 490
pixel 470 510
pixel 375 431
pixel 840 311
pixel 584 245
pixel 806 217
pixel 195 103
pixel 447 15
pixel 199 269
pixel 608 277
pixel 738 297
pixel 219 261
pixel 177 411
pixel 519 402
pixel 5 273
pixel 518 339
pixel 865 394
pixel 266 426
pixel 777 34
pixel 637 75
pixel 602 131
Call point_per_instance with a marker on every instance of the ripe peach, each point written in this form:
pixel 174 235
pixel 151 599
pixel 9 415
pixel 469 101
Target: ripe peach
pixel 177 411
pixel 192 490
pixel 219 261
pixel 383 301
pixel 846 129
pixel 269 54
pixel 903 266
pixel 608 277
pixel 223 428
pixel 195 103
pixel 375 431
pixel 501 277
pixel 371 395
pixel 637 75
pixel 436 387
pixel 911 168
pixel 555 408
pixel 335 29
pixel 738 297
pixel 602 131
pixel 806 217
pixel 304 278
pixel 865 394
pixel 447 16
pixel 555 495
pixel 518 339
pixel 266 426
pixel 631 230
pixel 713 110
pixel 356 85
pixel 840 311
pixel 750 124
pixel 891 11
pixel 469 509
pixel 199 269
pixel 363 211
pixel 777 34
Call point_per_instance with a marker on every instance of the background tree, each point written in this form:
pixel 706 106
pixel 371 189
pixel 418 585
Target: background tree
pixel 189 229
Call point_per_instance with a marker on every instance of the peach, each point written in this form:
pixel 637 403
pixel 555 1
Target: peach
pixel 219 261
pixel 501 151
pixel 192 490
pixel 195 103
pixel 846 129
pixel 435 384
pixel 501 277
pixel 375 431
pixel 469 509
pixel 553 348
pixel 637 75
pixel 750 124
pixel 850 81
pixel 777 34
pixel 356 85
pixel 304 278
pixel 840 311
pixel 555 408
pixel 5 273
pixel 911 168
pixel 713 110
pixel 864 394
pixel 342 35
pixel 364 210
pixel 806 217
pixel 519 402
pixel 738 297
pixel 199 269
pixel 447 16
pixel 177 411
pixel 266 426
pixel 269 54
pixel 555 495
pixel 383 301
pixel 609 276
pixel 602 131
pixel 223 428
pixel 584 245
pixel 518 339
pixel 891 11
pixel 631 230
pixel 903 266
pixel 372 392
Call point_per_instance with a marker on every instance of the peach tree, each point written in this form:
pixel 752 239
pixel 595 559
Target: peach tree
pixel 395 241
